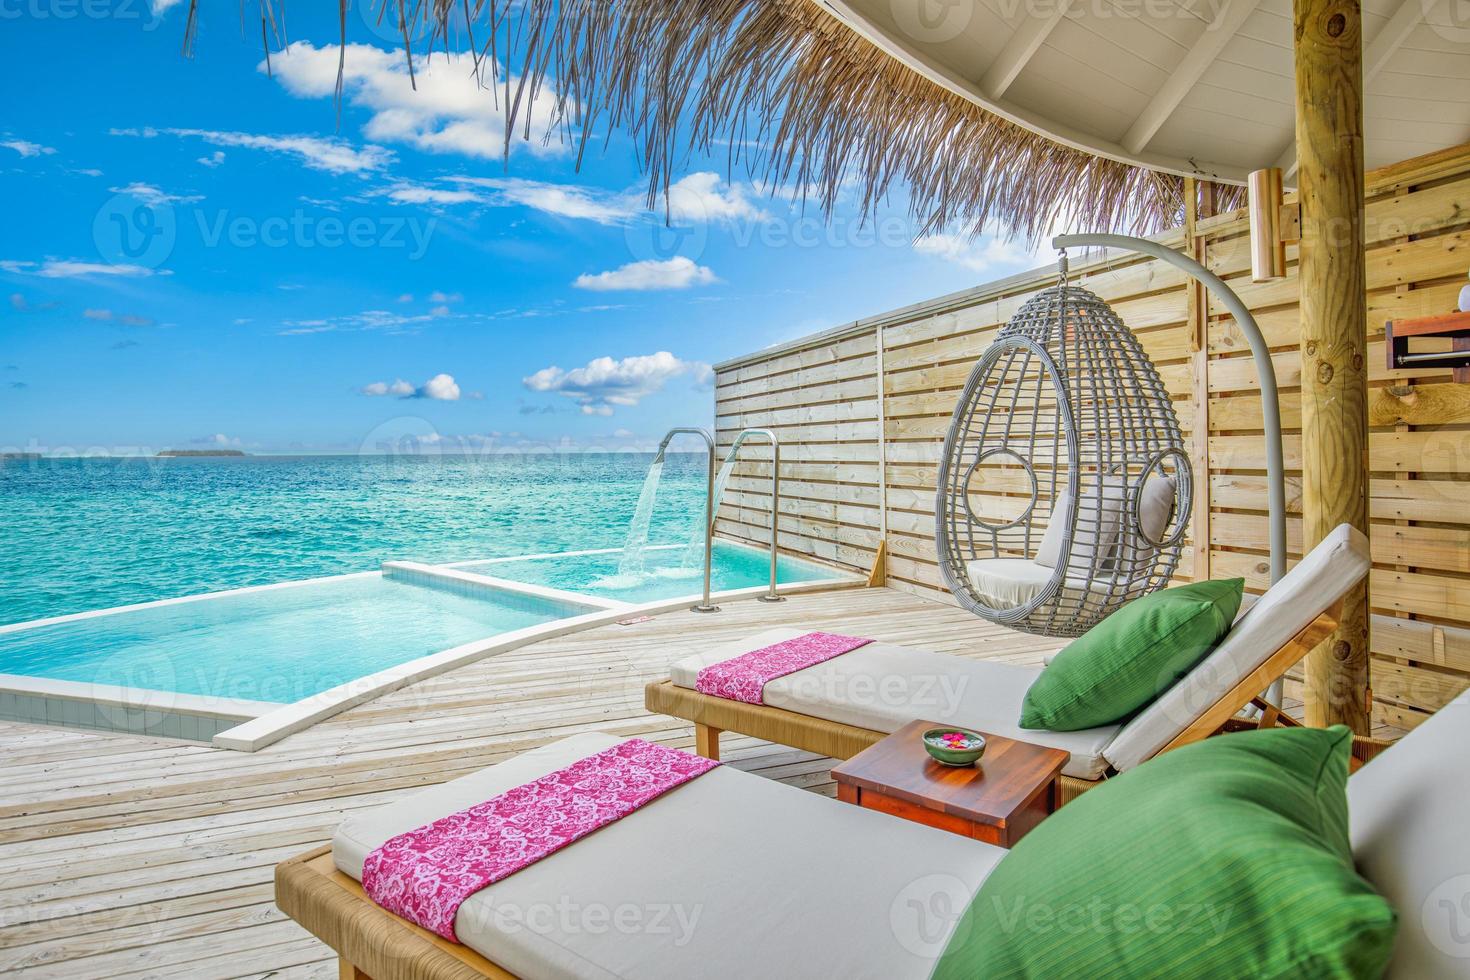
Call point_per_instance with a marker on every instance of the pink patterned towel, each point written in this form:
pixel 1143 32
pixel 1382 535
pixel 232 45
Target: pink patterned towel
pixel 426 874
pixel 744 678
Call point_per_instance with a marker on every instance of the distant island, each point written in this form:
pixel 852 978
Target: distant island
pixel 201 452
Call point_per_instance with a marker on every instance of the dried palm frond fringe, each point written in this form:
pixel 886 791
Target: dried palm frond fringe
pixel 794 97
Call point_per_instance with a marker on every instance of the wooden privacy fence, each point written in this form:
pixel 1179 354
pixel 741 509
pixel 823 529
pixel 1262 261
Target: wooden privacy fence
pixel 862 410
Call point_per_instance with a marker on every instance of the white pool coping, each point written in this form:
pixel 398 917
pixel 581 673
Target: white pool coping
pixel 300 715
pixel 457 576
pixel 41 700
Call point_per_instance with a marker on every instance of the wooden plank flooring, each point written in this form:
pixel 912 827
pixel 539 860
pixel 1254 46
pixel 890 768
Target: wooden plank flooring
pixel 134 857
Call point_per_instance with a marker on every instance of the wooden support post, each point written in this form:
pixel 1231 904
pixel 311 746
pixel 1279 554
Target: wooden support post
pixel 1334 330
pixel 1199 347
pixel 707 741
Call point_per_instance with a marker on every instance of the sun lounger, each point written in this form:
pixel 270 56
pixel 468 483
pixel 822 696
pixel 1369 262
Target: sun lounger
pixel 815 897
pixel 840 707
pixel 741 886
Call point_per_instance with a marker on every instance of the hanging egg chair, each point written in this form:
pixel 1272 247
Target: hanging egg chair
pixel 1064 484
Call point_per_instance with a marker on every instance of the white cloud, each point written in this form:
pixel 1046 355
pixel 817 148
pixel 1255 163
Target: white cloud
pixel 163 6
pixel 77 269
pixel 704 197
pixel 441 387
pixel 439 296
pixel 699 198
pixel 442 109
pixel 405 298
pixel 126 319
pixel 214 159
pixel 385 320
pixel 152 196
pixel 604 383
pixel 983 254
pixel 562 200
pixel 676 273
pixel 27 149
pixel 419 194
pixel 217 439
pixel 332 155
pixel 399 388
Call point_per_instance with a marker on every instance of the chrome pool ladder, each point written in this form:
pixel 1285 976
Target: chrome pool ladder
pixel 769 436
pixel 704 606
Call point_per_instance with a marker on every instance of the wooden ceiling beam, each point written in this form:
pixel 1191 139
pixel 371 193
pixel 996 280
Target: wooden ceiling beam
pixel 1217 33
pixel 1020 49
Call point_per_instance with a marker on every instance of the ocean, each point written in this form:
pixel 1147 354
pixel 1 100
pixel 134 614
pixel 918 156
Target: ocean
pixel 83 534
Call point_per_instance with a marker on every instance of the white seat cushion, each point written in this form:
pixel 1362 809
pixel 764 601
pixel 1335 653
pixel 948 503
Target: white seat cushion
pixel 1321 578
pixel 729 875
pixel 882 687
pixel 1005 583
pixel 1409 817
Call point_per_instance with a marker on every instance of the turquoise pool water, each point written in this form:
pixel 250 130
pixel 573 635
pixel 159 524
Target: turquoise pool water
pixel 276 645
pixel 85 534
pixel 667 572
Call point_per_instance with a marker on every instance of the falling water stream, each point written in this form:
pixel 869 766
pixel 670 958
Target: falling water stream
pixel 694 551
pixel 631 563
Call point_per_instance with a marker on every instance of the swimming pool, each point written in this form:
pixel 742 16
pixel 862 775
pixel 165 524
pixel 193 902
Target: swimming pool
pixel 275 645
pixel 667 571
pixel 198 666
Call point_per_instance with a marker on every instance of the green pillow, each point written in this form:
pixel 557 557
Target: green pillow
pixel 1226 858
pixel 1123 663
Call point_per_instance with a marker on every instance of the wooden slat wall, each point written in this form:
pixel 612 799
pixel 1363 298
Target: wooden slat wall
pixel 862 459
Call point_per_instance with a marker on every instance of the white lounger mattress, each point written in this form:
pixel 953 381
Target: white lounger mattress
pixel 729 875
pixel 882 687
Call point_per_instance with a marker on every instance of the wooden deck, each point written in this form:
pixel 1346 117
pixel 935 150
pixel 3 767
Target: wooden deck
pixel 134 857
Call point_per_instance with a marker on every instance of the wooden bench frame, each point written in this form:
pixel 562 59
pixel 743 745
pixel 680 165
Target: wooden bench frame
pixel 712 716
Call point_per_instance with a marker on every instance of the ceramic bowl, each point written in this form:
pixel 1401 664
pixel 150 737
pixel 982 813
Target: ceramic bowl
pixel 954 746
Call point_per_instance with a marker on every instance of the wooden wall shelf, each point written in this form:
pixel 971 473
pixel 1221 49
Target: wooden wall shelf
pixel 1454 326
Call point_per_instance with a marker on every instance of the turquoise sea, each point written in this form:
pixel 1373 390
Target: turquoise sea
pixel 81 534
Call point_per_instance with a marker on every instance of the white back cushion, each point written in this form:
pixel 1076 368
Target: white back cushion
pixel 1309 589
pixel 1155 508
pixel 1409 816
pixel 1097 528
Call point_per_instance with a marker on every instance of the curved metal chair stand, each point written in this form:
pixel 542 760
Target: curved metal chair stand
pixel 1265 370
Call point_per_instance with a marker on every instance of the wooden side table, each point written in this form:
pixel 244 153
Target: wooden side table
pixel 999 800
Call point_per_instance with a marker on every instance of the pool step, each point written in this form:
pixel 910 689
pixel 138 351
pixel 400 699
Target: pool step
pixel 499 589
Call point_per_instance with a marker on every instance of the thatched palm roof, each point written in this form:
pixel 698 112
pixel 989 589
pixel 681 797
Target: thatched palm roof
pixel 794 98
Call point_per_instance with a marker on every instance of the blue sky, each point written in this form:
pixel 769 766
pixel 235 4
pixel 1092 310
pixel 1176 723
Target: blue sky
pixel 196 252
